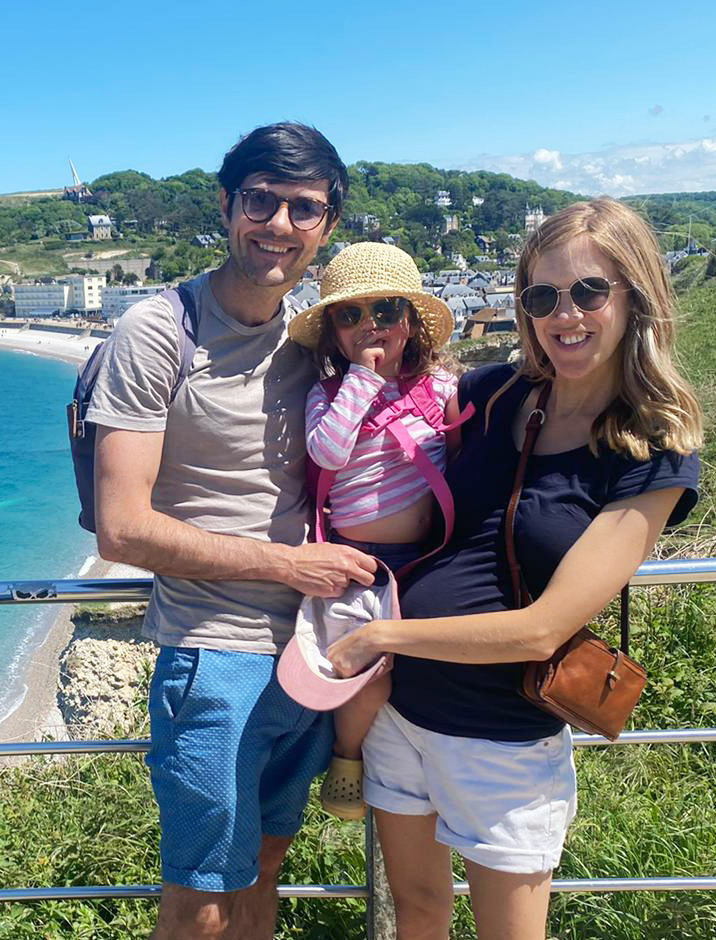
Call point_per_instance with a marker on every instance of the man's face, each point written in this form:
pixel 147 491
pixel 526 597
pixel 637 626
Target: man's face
pixel 274 253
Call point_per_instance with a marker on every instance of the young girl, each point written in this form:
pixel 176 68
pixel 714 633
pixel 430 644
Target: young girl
pixel 378 333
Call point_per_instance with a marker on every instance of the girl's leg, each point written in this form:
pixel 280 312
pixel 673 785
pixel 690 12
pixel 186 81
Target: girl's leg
pixel 508 906
pixel 419 873
pixel 342 789
pixel 353 720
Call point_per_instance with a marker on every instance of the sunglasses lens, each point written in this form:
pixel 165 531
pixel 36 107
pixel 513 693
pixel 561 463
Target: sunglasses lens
pixel 388 312
pixel 539 300
pixel 347 316
pixel 590 293
pixel 259 204
pixel 306 213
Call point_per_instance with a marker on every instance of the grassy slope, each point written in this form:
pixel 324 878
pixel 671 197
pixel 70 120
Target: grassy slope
pixel 644 811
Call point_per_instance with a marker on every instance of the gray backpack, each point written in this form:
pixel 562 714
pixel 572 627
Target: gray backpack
pixel 83 433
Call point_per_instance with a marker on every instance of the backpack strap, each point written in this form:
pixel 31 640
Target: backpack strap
pixel 183 306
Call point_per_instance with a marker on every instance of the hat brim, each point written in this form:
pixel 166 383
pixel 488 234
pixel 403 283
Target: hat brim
pixel 305 328
pixel 322 693
pixel 303 669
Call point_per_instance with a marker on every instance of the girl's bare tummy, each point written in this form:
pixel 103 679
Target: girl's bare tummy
pixel 411 524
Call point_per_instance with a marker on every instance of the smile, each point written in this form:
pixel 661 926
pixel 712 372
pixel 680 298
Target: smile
pixel 573 339
pixel 274 249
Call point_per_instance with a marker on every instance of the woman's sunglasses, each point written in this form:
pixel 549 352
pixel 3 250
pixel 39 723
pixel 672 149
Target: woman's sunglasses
pixel 386 312
pixel 587 293
pixel 260 205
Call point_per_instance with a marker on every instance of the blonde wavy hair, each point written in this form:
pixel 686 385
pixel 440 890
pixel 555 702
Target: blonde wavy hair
pixel 654 407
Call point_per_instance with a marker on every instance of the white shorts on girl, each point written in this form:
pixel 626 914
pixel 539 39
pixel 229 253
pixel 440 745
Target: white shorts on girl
pixel 504 805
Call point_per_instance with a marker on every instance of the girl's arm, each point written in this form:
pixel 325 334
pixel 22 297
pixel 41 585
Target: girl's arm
pixel 332 426
pixel 592 572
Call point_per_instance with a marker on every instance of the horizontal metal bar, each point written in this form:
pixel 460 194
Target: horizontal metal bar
pixel 69 591
pixel 75 591
pixel 22 748
pixel 559 886
pixel 668 736
pixel 89 893
pixel 676 571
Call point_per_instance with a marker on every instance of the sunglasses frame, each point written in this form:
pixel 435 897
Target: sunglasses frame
pixel 367 307
pixel 568 290
pixel 281 201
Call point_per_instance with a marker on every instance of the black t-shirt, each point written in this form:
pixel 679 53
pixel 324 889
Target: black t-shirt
pixel 562 494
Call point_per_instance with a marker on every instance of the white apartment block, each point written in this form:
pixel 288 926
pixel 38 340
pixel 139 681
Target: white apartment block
pixel 115 300
pixel 41 300
pixel 86 292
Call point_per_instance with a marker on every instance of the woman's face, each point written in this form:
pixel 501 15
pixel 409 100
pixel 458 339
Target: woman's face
pixel 580 343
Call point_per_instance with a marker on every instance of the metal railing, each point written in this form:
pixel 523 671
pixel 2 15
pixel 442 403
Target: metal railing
pixel 682 571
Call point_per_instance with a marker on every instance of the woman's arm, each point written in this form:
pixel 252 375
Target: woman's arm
pixel 592 572
pixel 332 426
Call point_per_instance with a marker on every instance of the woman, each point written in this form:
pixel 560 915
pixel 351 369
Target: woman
pixel 458 758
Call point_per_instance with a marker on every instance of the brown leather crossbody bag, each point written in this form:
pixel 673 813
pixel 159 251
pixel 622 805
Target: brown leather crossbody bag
pixel 586 683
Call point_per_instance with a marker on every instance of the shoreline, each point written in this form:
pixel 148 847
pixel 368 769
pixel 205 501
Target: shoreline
pixel 38 715
pixel 74 348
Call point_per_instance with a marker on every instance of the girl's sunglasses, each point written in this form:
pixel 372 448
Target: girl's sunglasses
pixel 386 312
pixel 587 293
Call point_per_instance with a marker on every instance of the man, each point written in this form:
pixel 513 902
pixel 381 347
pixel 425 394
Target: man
pixel 207 491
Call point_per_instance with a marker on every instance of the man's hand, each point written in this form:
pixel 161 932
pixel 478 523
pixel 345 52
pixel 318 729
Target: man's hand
pixel 325 570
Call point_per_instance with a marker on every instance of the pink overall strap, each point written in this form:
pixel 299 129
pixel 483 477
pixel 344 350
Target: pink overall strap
pixel 436 482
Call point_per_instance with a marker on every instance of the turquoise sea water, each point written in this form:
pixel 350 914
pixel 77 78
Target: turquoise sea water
pixel 39 533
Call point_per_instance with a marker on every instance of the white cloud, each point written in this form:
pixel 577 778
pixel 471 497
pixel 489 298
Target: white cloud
pixel 550 158
pixel 686 166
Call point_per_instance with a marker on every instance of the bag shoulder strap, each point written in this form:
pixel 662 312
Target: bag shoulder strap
pixel 520 590
pixel 535 420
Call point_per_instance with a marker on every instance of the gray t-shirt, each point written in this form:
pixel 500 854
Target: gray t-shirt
pixel 233 460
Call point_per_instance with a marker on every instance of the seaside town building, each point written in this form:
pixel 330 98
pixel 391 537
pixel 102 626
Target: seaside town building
pixel 116 300
pixel 100 227
pixel 79 292
pixel 534 217
pixel 41 300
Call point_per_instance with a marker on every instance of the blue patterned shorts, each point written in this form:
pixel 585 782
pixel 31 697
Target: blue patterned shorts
pixel 232 758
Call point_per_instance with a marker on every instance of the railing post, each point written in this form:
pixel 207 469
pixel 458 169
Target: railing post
pixel 380 912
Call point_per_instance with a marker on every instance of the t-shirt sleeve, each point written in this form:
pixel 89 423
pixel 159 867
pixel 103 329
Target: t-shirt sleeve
pixel 139 371
pixel 478 385
pixel 664 470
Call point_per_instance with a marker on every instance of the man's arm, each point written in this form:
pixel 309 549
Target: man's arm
pixel 129 530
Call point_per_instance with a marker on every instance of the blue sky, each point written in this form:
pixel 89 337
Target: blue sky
pixel 613 97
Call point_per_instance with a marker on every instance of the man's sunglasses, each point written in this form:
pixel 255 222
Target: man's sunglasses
pixel 385 313
pixel 587 293
pixel 260 205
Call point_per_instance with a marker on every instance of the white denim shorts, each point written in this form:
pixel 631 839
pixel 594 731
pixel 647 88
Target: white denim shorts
pixel 505 805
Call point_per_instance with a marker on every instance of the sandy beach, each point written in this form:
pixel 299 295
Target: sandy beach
pixel 70 348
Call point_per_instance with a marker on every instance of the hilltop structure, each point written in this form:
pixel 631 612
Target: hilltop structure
pixel 79 191
pixel 534 217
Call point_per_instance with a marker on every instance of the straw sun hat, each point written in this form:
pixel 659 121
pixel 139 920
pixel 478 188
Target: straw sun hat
pixel 373 269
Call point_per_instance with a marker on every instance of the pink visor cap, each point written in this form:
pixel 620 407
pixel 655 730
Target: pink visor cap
pixel 304 671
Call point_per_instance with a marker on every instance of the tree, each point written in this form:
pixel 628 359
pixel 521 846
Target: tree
pixel 130 278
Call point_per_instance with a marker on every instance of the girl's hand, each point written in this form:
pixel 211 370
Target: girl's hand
pixel 352 653
pixel 368 352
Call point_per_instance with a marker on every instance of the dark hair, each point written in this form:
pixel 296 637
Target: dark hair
pixel 419 357
pixel 286 151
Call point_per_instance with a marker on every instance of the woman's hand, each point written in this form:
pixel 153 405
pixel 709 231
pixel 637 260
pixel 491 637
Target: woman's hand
pixel 352 653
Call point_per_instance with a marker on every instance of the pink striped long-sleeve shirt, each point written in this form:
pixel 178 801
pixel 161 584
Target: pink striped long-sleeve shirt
pixel 374 477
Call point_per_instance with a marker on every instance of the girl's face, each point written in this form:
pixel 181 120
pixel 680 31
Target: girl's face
pixel 581 343
pixel 373 332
